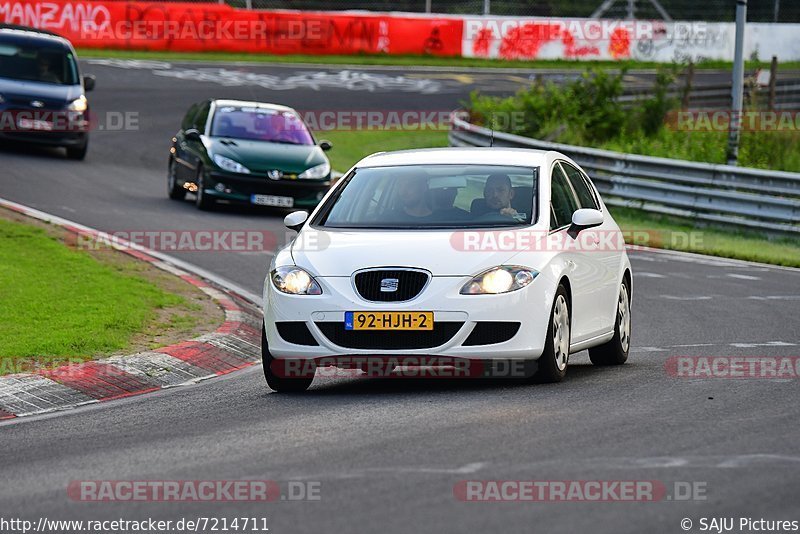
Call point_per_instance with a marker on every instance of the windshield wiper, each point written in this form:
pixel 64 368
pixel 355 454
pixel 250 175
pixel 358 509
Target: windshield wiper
pixel 282 141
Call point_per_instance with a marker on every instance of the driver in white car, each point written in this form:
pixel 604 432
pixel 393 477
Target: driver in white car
pixel 498 194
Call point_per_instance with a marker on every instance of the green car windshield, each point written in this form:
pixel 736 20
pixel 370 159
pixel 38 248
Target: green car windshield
pixel 260 124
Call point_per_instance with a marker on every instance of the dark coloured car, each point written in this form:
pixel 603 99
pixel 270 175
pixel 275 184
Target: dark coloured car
pixel 252 153
pixel 42 93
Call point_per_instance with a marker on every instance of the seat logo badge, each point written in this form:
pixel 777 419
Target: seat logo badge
pixel 37 103
pixel 389 285
pixel 275 174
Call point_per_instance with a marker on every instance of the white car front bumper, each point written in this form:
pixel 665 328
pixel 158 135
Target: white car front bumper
pixel 529 306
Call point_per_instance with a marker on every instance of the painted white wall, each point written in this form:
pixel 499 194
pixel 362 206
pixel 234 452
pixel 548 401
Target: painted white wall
pixel 588 39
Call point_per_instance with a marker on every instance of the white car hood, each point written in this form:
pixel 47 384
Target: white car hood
pixel 340 253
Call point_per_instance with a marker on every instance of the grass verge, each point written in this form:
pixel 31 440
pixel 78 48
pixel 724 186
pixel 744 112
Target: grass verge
pixel 679 234
pixel 351 146
pixel 663 231
pixel 65 305
pixel 400 61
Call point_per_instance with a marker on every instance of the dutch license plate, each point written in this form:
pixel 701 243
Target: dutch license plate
pixel 271 200
pixel 388 320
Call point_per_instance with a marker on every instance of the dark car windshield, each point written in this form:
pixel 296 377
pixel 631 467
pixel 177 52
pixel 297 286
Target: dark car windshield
pixel 260 124
pixel 53 65
pixel 434 196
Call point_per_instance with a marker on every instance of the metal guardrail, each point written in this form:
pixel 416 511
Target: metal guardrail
pixel 722 195
pixel 718 96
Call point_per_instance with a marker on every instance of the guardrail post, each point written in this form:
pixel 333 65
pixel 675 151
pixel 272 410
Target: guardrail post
pixel 773 75
pixel 687 88
pixel 738 83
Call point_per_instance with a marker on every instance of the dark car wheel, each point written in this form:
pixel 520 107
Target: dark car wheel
pixel 78 152
pixel 552 364
pixel 275 380
pixel 174 191
pixel 202 201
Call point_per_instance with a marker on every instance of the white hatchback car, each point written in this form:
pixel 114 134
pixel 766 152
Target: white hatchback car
pixel 473 255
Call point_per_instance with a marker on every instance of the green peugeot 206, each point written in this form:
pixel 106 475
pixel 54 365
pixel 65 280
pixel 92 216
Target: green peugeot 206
pixel 236 152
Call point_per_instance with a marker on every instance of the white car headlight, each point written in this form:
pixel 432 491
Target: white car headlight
pixel 227 164
pixel 294 281
pixel 316 172
pixel 79 104
pixel 501 279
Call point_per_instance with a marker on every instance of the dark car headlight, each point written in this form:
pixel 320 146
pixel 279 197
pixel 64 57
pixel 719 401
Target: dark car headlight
pixel 227 164
pixel 79 104
pixel 315 173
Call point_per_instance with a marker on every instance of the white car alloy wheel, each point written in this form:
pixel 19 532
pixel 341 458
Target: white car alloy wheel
pixel 552 364
pixel 624 319
pixel 561 332
pixel 615 351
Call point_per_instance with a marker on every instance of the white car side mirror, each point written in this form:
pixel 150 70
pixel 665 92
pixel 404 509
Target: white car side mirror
pixel 295 220
pixel 586 218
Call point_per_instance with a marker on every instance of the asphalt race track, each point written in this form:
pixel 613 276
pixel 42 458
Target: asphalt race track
pixel 388 452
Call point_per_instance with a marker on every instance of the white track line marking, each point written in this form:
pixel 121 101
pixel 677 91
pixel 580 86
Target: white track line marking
pixel 743 276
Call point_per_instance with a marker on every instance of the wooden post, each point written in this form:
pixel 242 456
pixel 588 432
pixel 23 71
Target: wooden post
pixel 773 75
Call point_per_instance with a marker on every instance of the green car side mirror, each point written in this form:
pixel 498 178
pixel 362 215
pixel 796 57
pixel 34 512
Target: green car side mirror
pixel 192 134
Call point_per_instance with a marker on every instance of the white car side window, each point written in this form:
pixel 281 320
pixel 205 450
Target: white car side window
pixel 562 199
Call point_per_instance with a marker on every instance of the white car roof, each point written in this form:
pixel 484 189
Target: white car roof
pixel 462 156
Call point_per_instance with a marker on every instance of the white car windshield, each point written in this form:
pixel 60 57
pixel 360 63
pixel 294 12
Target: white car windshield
pixel 433 196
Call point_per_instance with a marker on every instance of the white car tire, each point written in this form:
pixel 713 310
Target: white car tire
pixel 552 364
pixel 615 351
pixel 281 384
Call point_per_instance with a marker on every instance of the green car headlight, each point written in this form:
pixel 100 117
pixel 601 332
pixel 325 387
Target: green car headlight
pixel 227 164
pixel 316 172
